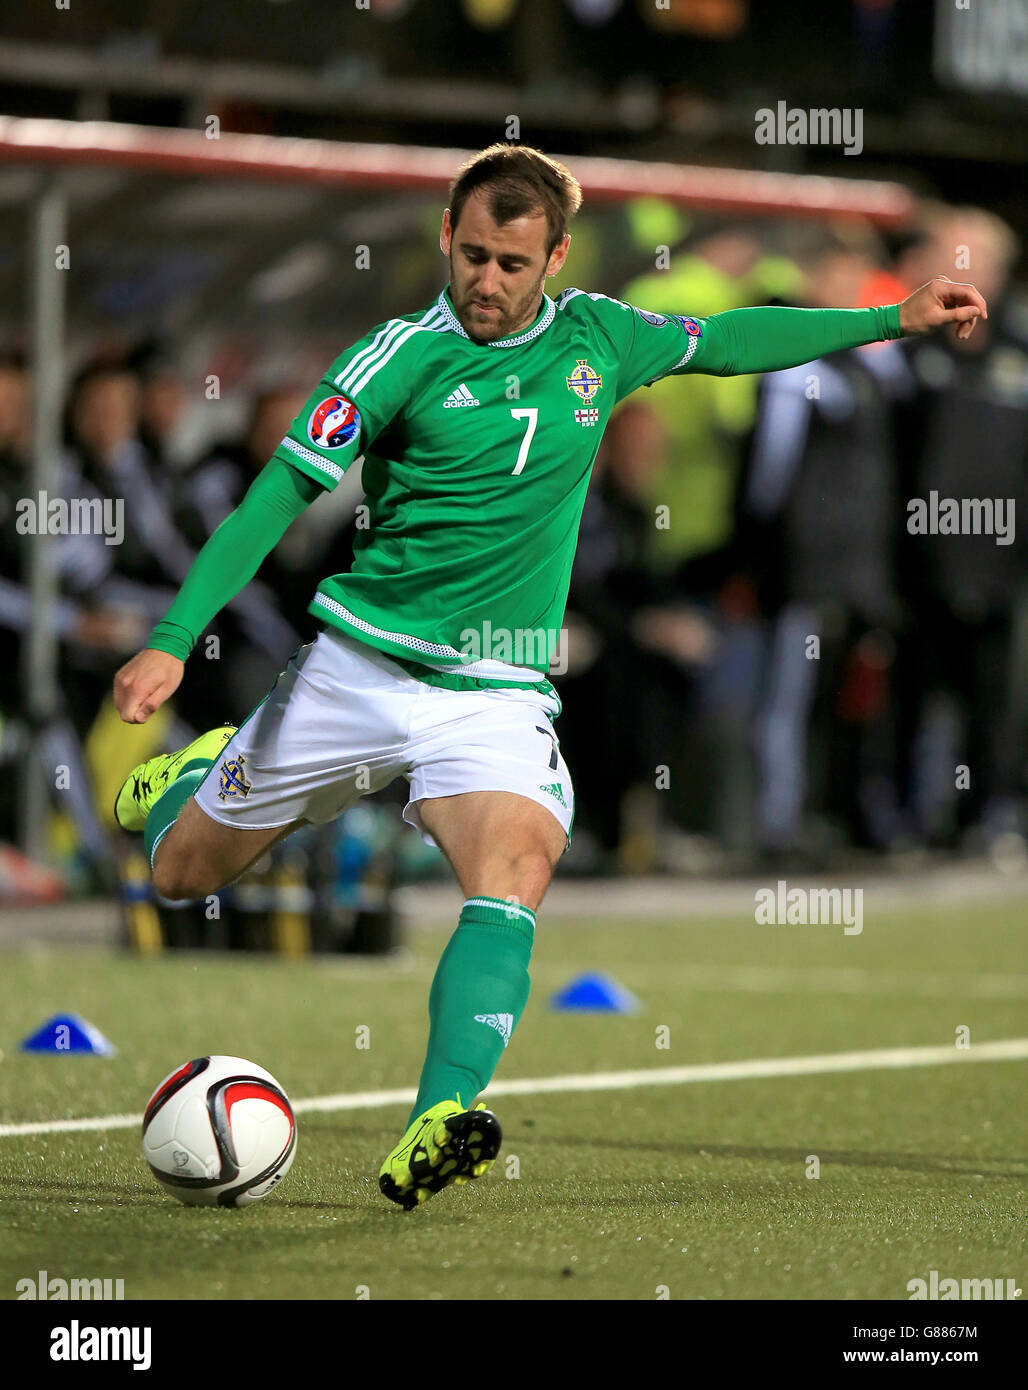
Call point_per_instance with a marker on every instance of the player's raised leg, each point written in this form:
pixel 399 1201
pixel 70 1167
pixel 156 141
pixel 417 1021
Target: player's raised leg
pixel 190 854
pixel 503 848
pixel 199 855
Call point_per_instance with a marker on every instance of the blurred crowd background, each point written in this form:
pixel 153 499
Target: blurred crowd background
pixel 729 522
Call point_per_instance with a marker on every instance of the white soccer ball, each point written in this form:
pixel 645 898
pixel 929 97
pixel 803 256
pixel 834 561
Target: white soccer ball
pixel 219 1131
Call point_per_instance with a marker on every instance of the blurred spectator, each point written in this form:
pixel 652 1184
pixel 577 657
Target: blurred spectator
pixel 704 417
pixel 105 460
pixel 152 558
pixel 83 624
pixel 633 647
pixel 163 403
pixel 965 436
pixel 818 516
pixel 79 618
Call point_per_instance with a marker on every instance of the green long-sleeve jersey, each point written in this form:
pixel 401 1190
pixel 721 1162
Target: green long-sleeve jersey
pixel 476 460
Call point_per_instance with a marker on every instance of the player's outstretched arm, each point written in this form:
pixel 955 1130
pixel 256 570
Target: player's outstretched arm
pixel 225 565
pixel 770 339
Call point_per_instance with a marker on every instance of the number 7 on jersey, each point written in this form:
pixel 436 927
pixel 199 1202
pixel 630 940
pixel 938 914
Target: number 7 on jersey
pixel 531 414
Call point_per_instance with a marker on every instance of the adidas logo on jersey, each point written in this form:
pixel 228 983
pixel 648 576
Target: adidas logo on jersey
pixel 461 397
pixel 503 1023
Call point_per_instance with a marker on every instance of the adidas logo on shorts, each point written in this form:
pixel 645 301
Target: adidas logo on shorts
pixel 554 790
pixel 503 1023
pixel 461 397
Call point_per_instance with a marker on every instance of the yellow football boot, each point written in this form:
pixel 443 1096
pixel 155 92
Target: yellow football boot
pixel 445 1144
pixel 145 783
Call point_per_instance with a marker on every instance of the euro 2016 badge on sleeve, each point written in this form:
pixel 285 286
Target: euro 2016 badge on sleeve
pixel 333 423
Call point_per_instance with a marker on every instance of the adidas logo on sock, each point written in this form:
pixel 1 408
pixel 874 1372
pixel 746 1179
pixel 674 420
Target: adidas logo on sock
pixel 503 1023
pixel 461 397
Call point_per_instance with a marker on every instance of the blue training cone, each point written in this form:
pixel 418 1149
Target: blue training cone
pixel 68 1033
pixel 595 994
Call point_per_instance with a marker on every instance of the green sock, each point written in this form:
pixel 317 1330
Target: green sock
pixel 478 994
pixel 170 802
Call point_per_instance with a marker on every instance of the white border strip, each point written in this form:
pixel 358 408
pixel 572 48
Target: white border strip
pixel 887 1058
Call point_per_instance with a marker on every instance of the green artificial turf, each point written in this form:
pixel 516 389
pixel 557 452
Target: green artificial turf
pixel 699 1190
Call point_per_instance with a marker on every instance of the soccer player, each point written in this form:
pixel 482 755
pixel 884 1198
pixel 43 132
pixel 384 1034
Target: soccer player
pixel 478 421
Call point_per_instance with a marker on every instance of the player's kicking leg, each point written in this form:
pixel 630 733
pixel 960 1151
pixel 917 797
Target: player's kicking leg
pixel 503 848
pixel 190 854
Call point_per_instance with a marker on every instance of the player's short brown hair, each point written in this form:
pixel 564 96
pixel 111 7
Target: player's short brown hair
pixel 518 181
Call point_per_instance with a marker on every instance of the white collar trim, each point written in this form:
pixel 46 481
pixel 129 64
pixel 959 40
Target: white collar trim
pixel 540 325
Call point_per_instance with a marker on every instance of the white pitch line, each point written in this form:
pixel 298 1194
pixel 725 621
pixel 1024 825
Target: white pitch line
pixel 886 1058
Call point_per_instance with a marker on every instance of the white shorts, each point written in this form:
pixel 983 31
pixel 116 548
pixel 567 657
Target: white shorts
pixel 343 720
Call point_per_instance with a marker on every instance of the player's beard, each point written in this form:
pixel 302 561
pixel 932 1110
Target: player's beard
pixel 488 328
